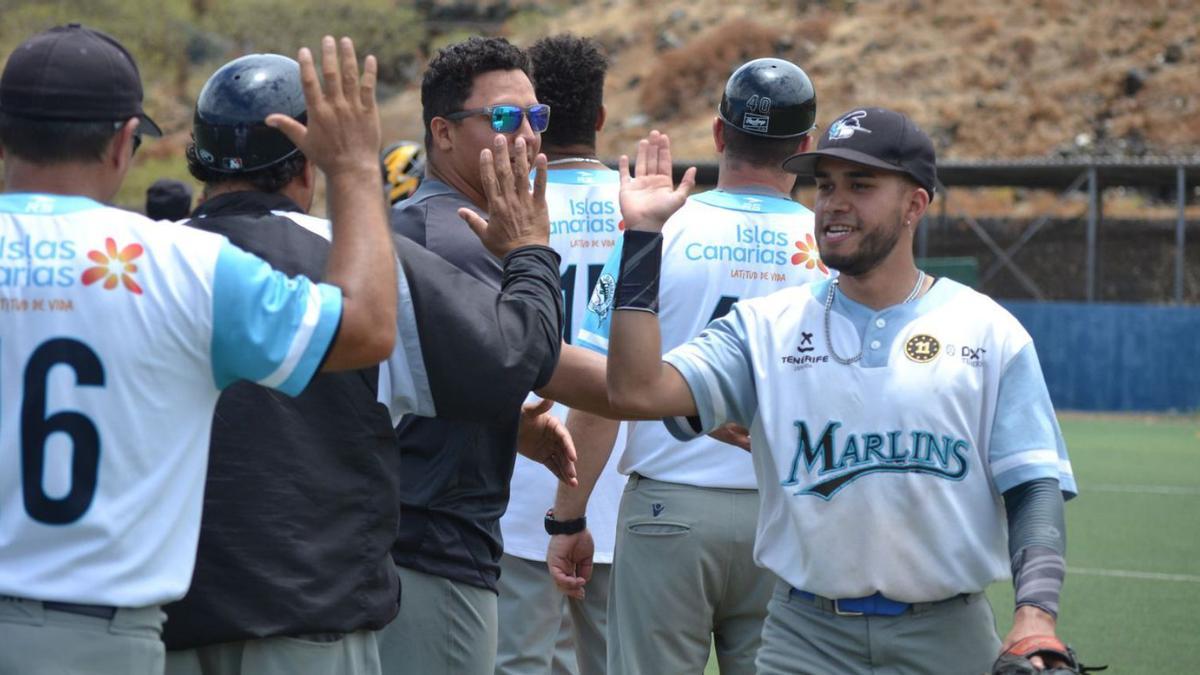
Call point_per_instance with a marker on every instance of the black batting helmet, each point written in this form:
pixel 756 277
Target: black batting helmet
pixel 229 127
pixel 769 97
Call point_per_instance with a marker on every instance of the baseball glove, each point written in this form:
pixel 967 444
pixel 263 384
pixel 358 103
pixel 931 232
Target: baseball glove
pixel 1059 658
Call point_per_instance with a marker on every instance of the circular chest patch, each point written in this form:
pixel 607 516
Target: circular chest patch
pixel 922 348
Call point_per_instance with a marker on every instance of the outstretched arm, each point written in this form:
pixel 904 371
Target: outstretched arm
pixel 640 384
pixel 342 139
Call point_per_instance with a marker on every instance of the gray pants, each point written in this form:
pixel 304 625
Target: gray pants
pixel 37 641
pixel 541 630
pixel 444 628
pixel 684 576
pixel 955 636
pixel 352 654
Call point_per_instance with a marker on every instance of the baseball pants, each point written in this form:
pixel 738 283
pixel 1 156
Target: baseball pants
pixel 351 654
pixel 684 576
pixel 444 628
pixel 806 636
pixel 37 640
pixel 541 630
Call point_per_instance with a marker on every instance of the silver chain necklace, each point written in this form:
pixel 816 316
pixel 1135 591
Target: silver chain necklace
pixel 829 310
pixel 572 160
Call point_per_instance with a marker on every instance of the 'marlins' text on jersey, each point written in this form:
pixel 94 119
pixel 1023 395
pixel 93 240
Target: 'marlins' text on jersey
pixel 830 465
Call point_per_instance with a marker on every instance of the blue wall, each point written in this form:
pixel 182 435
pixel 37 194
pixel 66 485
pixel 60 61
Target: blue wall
pixel 1116 357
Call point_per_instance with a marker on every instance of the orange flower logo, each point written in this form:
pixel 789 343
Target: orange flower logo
pixel 808 255
pixel 114 266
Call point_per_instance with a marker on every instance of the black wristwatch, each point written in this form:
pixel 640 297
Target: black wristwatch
pixel 564 526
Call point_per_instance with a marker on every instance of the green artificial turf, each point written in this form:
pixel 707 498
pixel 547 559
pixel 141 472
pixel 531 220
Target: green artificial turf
pixel 1132 597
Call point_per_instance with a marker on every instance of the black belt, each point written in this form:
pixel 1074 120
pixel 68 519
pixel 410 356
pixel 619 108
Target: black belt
pixel 94 611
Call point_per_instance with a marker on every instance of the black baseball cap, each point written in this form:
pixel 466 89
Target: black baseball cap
pixel 73 73
pixel 876 137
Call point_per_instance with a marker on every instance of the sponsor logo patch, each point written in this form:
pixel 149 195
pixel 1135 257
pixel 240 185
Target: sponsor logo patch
pixel 922 348
pixel 114 266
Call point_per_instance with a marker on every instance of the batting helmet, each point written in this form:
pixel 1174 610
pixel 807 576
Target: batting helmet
pixel 403 165
pixel 229 130
pixel 769 97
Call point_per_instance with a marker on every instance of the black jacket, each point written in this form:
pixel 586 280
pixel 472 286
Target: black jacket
pixel 302 500
pixel 456 473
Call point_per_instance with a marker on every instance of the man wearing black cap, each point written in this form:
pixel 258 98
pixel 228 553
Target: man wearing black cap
pixel 119 334
pixel 684 574
pixel 899 422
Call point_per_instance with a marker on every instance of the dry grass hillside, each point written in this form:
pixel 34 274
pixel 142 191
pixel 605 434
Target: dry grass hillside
pixel 987 79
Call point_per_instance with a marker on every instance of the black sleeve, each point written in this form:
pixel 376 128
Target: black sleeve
pixel 1037 543
pixel 485 350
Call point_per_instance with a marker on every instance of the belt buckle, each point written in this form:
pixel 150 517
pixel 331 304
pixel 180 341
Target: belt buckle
pixel 837 609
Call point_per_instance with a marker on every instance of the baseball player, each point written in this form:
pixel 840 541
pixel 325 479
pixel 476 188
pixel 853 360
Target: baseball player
pixel 684 573
pixel 120 332
pixel 907 460
pixel 585 225
pixel 293 572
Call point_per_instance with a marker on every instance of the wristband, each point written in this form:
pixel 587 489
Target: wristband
pixel 564 526
pixel 641 262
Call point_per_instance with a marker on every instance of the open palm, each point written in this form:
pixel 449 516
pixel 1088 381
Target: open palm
pixel 650 197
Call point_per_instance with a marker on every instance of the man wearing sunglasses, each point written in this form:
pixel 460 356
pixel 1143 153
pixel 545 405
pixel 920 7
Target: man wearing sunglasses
pixel 454 475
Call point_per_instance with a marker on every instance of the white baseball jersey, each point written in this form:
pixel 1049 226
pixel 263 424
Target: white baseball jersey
pixel 585 226
pixel 885 475
pixel 116 335
pixel 719 248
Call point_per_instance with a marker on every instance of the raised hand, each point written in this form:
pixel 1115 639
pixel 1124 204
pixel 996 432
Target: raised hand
pixel 516 216
pixel 543 438
pixel 342 133
pixel 650 197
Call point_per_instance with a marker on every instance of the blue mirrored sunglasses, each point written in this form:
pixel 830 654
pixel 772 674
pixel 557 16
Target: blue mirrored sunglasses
pixel 506 119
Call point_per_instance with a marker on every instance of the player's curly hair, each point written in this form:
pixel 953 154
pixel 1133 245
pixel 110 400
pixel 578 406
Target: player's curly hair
pixel 270 179
pixel 568 75
pixel 451 74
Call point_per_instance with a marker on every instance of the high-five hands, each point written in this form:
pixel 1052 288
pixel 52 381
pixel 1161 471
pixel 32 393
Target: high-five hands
pixel 516 216
pixel 650 197
pixel 342 133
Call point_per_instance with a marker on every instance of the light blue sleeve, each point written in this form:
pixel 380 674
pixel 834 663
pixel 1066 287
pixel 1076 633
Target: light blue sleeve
pixel 403 382
pixel 597 320
pixel 269 328
pixel 1026 442
pixel 717 368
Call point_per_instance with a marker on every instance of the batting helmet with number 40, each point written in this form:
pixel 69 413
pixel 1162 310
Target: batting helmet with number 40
pixel 769 97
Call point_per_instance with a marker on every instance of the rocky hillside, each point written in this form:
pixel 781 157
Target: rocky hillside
pixel 987 79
